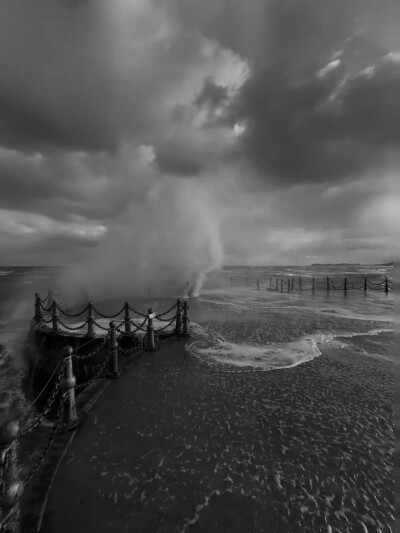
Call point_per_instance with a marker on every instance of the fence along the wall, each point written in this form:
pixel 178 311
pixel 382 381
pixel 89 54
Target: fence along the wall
pixel 64 384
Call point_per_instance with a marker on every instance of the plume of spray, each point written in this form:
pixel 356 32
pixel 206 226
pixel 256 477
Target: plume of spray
pixel 157 247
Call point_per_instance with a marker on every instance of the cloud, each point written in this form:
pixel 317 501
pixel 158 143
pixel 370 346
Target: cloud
pixel 271 116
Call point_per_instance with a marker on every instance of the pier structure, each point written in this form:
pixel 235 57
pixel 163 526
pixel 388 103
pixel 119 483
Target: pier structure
pixel 67 360
pixel 299 284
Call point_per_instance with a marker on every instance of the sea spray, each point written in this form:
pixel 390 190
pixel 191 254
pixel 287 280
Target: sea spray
pixel 171 239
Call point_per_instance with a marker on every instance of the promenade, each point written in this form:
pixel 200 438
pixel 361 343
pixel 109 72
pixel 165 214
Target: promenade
pixel 176 445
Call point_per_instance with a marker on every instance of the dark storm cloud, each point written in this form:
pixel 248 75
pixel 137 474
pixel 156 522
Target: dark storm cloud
pixel 211 95
pixel 328 127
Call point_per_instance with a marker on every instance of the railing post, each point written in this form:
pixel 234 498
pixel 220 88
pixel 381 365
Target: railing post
pixel 327 284
pixel 365 284
pixel 386 286
pixel 281 285
pixel 90 321
pixel 38 309
pixel 313 284
pixel 55 317
pixel 292 284
pixel 277 284
pixel 113 351
pixel 150 345
pixel 186 320
pixel 127 318
pixel 67 385
pixel 345 284
pixel 11 485
pixel 300 287
pixel 258 284
pixel 178 323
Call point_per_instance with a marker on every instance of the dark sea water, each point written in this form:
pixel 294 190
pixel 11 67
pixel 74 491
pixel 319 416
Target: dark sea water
pixel 233 324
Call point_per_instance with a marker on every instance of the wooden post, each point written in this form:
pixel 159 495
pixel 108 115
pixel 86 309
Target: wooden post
pixel 150 345
pixel 258 284
pixel 313 284
pixel 113 371
pixel 38 309
pixel 365 284
pixel 327 284
pixel 345 284
pixel 178 323
pixel 281 285
pixel 186 320
pixel 386 286
pixel 55 317
pixel 11 485
pixel 68 383
pixel 90 321
pixel 127 318
pixel 300 287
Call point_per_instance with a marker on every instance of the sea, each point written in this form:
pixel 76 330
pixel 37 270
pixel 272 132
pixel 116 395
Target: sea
pixel 235 320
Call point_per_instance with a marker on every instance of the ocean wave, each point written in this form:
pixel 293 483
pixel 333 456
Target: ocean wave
pixel 215 349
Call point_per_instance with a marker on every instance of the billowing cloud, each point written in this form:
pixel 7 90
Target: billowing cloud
pixel 271 117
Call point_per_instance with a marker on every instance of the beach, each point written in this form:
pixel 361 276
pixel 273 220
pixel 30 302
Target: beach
pixel 199 448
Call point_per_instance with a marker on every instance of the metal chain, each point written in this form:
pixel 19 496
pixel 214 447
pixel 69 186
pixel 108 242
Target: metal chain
pixel 136 312
pixel 100 326
pixel 108 316
pixel 72 328
pixel 166 312
pixel 49 405
pixel 166 326
pixel 94 352
pixel 39 462
pixel 46 321
pixel 72 315
pixel 97 375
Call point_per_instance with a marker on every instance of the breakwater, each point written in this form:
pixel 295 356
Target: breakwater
pixel 66 359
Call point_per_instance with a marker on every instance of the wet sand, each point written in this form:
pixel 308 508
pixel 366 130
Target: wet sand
pixel 178 445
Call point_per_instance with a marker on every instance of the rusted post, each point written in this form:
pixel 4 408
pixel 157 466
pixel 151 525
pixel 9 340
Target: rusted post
pixel 178 323
pixel 327 284
pixel 300 287
pixel 386 286
pixel 313 284
pixel 113 351
pixel 38 309
pixel 127 318
pixel 150 345
pixel 365 284
pixel 186 320
pixel 55 317
pixel 11 485
pixel 68 383
pixel 281 285
pixel 258 284
pixel 345 284
pixel 90 321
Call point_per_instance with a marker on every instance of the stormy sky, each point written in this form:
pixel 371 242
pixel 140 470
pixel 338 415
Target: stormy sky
pixel 267 130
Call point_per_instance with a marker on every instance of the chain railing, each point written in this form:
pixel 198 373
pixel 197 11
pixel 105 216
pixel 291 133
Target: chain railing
pixel 63 384
pixel 299 284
